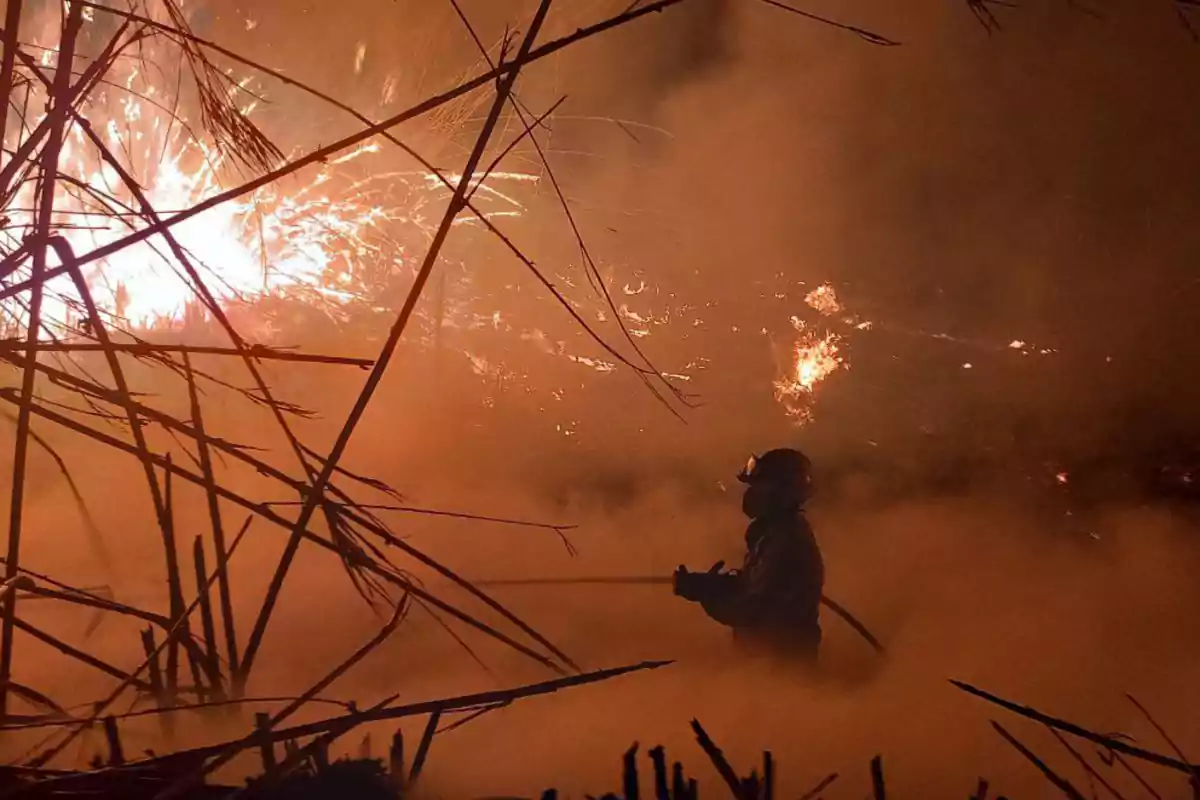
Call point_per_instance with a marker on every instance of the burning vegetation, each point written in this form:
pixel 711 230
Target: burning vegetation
pixel 161 251
pixel 816 358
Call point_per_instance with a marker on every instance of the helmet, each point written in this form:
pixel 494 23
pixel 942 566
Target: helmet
pixel 780 466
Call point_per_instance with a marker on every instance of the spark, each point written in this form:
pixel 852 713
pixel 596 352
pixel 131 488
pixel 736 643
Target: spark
pixel 595 363
pixel 388 93
pixel 362 149
pixel 479 366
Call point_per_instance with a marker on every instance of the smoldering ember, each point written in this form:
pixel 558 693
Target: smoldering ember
pixel 373 367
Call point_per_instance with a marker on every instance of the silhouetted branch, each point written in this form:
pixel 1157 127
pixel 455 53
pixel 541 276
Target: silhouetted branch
pixel 1063 785
pixel 58 111
pixel 866 35
pixel 457 203
pixel 151 657
pixel 1108 742
pixel 1083 762
pixel 982 9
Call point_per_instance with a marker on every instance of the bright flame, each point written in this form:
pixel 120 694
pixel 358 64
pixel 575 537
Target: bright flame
pixel 267 242
pixel 314 235
pixel 328 237
pixel 815 358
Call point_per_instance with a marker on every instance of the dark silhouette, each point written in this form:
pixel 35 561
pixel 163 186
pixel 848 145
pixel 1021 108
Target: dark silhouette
pixel 772 603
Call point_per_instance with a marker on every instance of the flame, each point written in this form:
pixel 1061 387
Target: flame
pixel 815 357
pixel 265 243
pixel 824 300
pixel 268 243
pixel 316 235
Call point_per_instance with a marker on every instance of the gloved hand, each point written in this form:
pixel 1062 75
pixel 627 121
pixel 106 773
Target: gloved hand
pixel 679 581
pixel 691 585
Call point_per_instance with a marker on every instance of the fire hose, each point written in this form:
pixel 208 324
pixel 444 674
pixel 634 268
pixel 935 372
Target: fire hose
pixel 660 580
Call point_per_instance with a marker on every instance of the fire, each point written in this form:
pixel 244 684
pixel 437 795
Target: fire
pixel 322 236
pixel 268 242
pixel 328 237
pixel 824 300
pixel 815 357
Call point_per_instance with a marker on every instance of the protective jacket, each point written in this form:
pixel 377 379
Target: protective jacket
pixel 773 602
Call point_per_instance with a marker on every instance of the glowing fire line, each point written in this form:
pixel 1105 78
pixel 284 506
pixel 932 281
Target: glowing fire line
pixel 316 235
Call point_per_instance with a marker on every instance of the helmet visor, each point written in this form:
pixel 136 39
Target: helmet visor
pixel 748 471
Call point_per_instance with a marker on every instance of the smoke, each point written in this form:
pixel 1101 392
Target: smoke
pixel 1036 184
pixel 940 585
pixel 974 590
pixel 1029 186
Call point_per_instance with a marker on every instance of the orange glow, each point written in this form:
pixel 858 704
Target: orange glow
pixel 310 233
pixel 815 358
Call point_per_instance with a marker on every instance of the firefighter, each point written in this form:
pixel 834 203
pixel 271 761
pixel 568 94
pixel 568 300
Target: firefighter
pixel 772 603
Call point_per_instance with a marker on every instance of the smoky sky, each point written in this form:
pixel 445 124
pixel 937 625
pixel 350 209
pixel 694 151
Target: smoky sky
pixel 1038 183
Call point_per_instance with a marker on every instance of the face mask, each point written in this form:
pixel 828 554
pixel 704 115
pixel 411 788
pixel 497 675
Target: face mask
pixel 756 501
pixel 761 500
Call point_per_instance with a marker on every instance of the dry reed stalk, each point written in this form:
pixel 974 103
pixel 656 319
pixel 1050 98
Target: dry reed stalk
pixel 12 24
pixel 212 664
pixel 258 352
pixel 78 655
pixel 149 663
pixel 423 746
pixel 388 350
pixel 259 510
pixel 1063 785
pixel 57 130
pixel 1111 744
